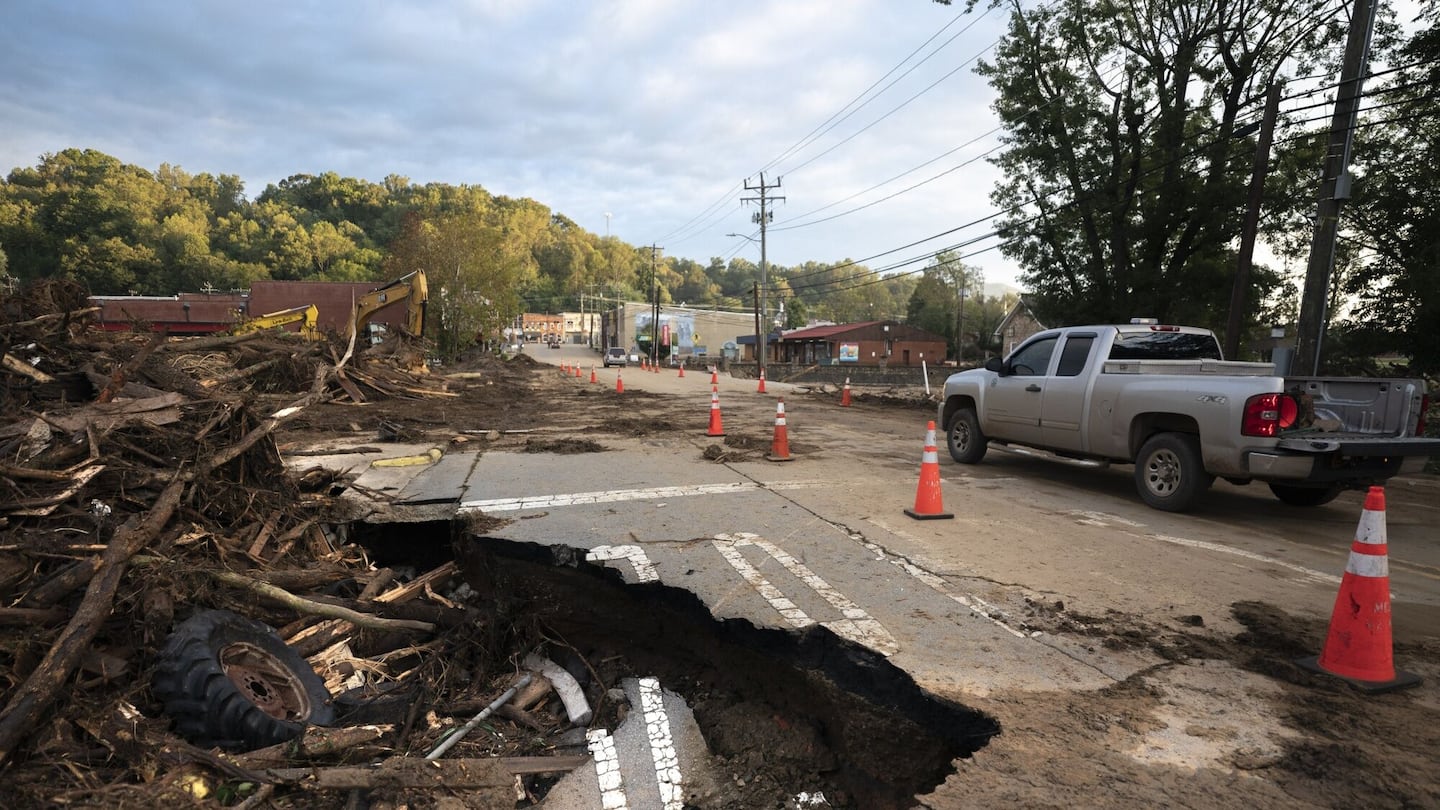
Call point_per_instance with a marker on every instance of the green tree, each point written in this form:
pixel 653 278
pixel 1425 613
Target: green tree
pixel 1394 220
pixel 475 274
pixel 948 300
pixel 1123 180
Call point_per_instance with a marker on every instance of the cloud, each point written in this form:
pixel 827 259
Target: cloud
pixel 653 110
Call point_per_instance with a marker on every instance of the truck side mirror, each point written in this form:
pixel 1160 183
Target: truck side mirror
pixel 996 365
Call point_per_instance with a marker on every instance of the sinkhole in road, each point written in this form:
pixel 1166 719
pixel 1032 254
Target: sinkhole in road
pixel 781 711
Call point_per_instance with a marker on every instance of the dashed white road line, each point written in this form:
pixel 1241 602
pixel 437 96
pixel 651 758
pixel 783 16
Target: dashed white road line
pixel 619 495
pixel 1101 519
pixel 1308 573
pixel 607 769
pixel 857 625
pixel 662 745
pixel 644 568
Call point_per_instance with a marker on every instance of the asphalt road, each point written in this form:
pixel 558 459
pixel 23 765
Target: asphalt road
pixel 968 606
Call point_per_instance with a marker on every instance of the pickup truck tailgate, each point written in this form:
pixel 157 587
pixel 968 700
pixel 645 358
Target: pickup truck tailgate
pixel 1359 405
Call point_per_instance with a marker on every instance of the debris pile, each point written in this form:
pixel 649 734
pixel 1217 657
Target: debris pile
pixel 175 611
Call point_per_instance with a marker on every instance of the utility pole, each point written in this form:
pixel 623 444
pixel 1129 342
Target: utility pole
pixel 654 307
pixel 960 320
pixel 1334 189
pixel 762 330
pixel 755 294
pixel 1261 167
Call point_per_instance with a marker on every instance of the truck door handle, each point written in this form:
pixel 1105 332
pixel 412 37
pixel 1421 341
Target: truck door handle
pixel 1032 387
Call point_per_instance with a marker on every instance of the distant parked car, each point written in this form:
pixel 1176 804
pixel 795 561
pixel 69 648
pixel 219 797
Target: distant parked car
pixel 614 356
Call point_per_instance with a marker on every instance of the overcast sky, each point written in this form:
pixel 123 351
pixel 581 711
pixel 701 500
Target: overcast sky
pixel 653 111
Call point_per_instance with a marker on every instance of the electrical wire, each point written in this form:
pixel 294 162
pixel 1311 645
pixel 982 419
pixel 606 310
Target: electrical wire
pixel 815 133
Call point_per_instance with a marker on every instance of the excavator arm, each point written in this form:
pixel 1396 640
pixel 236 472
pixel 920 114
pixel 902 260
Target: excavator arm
pixel 410 288
pixel 307 316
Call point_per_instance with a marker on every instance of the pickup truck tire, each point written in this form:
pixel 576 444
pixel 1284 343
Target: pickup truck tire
pixel 1168 472
pixel 967 443
pixel 1305 496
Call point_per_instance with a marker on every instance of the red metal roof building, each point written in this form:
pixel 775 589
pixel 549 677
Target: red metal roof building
pixel 207 313
pixel 869 343
pixel 334 299
pixel 183 314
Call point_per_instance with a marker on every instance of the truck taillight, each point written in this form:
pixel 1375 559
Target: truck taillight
pixel 1424 409
pixel 1268 414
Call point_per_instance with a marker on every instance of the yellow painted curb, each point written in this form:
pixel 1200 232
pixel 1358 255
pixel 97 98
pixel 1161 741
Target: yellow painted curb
pixel 428 457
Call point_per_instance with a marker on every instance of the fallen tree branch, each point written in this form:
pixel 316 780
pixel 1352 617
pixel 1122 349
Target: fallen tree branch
pixel 53 316
pixel 306 606
pixel 123 373
pixel 23 368
pixel 316 741
pixel 406 772
pixel 265 428
pixel 240 374
pixel 33 697
pixel 217 342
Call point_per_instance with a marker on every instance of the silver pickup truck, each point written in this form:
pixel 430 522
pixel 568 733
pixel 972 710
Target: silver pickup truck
pixel 1161 398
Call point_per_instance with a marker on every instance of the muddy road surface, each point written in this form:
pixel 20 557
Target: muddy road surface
pixel 1131 658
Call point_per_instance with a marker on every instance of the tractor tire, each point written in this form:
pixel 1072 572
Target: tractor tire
pixel 231 682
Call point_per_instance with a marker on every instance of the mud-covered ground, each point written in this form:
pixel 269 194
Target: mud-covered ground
pixel 1291 739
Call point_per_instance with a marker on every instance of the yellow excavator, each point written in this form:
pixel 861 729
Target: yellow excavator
pixel 409 288
pixel 413 291
pixel 307 316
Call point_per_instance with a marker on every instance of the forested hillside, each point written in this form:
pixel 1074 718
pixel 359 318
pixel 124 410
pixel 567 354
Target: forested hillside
pixel 122 229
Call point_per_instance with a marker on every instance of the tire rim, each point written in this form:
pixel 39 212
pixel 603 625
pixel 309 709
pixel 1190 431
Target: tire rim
pixel 960 435
pixel 1162 473
pixel 265 681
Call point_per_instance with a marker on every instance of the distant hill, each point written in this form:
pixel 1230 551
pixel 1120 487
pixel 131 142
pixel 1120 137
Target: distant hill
pixel 997 289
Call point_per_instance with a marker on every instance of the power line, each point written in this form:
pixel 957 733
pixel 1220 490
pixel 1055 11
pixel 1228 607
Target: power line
pixel 907 101
pixel 817 131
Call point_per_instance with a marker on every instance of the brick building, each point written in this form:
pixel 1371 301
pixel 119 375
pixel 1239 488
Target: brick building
pixel 869 343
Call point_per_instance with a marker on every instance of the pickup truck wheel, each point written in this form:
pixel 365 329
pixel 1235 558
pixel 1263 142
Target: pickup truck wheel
pixel 963 436
pixel 1305 496
pixel 1168 472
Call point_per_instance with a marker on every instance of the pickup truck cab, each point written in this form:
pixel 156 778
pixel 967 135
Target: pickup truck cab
pixel 1162 398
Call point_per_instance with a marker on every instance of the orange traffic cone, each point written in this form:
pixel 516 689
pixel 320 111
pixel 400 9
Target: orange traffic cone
pixel 682 370
pixel 577 371
pixel 780 445
pixel 593 378
pixel 619 384
pixel 1359 647
pixel 845 394
pixel 715 426
pixel 927 495
pixel 714 376
pixel 761 389
pixel 642 363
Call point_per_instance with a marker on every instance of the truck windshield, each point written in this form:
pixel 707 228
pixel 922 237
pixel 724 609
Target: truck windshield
pixel 1164 346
